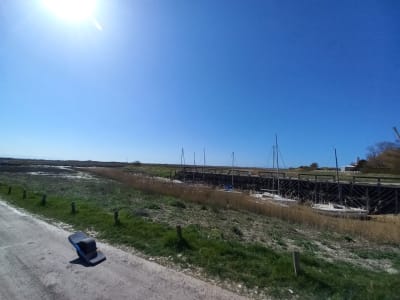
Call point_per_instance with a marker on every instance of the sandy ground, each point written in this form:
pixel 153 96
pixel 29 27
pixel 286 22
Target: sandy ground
pixel 37 262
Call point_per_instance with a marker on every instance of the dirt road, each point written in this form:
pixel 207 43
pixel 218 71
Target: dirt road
pixel 37 262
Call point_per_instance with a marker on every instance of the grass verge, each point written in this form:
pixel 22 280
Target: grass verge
pixel 248 263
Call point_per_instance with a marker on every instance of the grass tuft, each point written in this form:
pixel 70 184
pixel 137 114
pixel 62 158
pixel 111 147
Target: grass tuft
pixel 237 231
pixel 178 203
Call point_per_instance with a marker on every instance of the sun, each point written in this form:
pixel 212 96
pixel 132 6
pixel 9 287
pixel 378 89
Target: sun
pixel 72 10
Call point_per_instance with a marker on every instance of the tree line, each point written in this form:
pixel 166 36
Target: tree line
pixel 383 157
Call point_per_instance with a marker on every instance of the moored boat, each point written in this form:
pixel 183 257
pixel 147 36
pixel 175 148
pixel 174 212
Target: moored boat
pixel 337 210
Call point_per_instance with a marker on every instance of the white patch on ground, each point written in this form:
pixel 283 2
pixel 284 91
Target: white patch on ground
pixel 54 226
pixel 392 271
pixel 340 254
pixel 77 175
pixel 17 211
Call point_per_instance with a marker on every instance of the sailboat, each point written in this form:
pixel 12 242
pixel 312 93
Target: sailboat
pixel 230 187
pixel 274 195
pixel 339 210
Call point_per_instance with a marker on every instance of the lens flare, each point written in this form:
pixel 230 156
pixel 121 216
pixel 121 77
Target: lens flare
pixel 71 10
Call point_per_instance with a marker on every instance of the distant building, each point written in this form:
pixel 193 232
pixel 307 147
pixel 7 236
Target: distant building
pixel 348 168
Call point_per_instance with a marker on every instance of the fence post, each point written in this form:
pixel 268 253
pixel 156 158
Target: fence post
pixel 9 190
pixel 179 232
pixel 296 262
pixel 44 197
pixel 24 195
pixel 116 217
pixel 73 208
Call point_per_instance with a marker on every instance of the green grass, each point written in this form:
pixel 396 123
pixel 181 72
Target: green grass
pixel 165 171
pixel 379 255
pixel 359 177
pixel 308 246
pixel 248 263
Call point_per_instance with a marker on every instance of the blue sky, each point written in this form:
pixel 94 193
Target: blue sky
pixel 224 75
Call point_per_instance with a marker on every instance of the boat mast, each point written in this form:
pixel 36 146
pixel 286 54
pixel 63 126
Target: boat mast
pixel 204 161
pixel 277 160
pixel 273 168
pixel 183 163
pixel 337 178
pixel 233 160
pixel 194 164
pixel 337 168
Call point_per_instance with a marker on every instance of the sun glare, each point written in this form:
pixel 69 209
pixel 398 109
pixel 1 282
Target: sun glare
pixel 71 10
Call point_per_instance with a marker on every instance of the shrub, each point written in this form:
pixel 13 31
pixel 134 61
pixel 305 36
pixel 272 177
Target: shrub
pixel 178 203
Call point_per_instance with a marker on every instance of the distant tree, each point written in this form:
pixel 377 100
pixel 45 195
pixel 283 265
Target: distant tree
pixel 311 167
pixel 379 148
pixel 383 157
pixel 137 163
pixel 361 165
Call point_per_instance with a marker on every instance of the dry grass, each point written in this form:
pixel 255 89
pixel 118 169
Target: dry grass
pixel 379 229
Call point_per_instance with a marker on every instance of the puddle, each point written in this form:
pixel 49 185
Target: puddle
pixel 60 172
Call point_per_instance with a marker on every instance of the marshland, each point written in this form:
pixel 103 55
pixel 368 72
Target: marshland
pixel 226 238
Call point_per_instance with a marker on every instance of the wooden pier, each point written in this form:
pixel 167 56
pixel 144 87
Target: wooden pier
pixel 376 197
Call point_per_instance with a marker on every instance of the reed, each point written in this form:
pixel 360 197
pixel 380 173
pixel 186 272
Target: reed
pixel 379 229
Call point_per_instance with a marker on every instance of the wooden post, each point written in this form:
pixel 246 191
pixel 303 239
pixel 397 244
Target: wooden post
pixel 73 208
pixel 179 232
pixel 116 217
pixel 9 190
pixel 44 199
pixel 315 189
pixel 298 187
pixel 24 195
pixel 296 263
